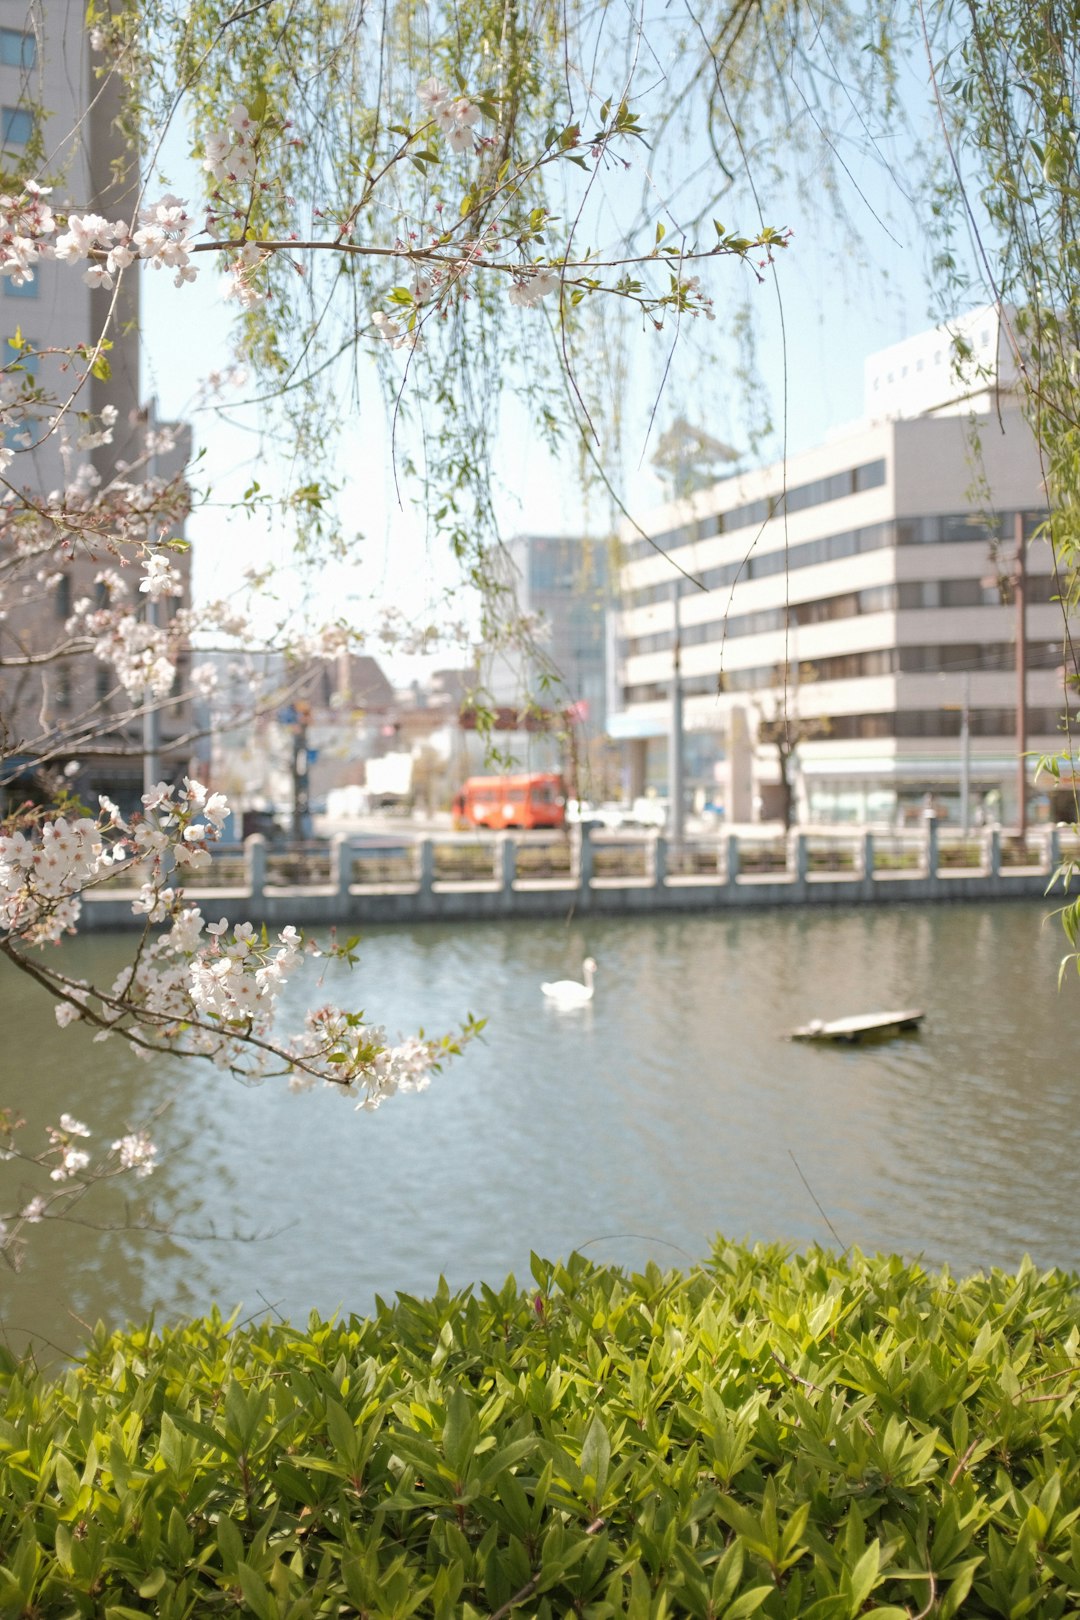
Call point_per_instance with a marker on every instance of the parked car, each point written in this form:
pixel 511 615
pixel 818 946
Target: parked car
pixel 647 812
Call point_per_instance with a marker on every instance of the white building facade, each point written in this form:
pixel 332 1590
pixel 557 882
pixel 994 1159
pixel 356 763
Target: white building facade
pixel 863 590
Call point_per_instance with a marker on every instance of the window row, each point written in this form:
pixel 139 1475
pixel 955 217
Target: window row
pixel 907 596
pixel 98 596
pixel 936 530
pixel 943 723
pixel 914 723
pixel 851 481
pixel 66 683
pixel 957 658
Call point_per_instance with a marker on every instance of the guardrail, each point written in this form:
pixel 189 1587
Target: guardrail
pixel 448 878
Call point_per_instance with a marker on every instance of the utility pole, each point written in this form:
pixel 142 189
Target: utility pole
pixel 1020 587
pixel 151 721
pixel 965 756
pixel 676 792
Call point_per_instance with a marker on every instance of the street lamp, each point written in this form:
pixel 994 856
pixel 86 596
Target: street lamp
pixel 675 738
pixel 1016 576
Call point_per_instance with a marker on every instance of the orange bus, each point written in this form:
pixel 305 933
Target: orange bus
pixel 537 799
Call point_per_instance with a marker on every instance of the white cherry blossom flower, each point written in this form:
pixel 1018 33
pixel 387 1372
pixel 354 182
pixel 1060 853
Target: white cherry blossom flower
pixel 137 1153
pixel 72 1161
pixel 528 292
pixel 431 94
pixel 161 578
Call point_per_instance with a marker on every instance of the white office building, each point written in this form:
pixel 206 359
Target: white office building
pixel 865 593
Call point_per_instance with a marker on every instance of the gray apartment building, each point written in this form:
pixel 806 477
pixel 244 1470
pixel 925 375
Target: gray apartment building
pixel 58 126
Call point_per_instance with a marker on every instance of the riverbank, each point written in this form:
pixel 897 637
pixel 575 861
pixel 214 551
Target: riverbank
pixel 424 879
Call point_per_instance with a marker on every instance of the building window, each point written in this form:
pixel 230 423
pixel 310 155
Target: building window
pixel 871 475
pixel 16 126
pixel 17 50
pixel 16 367
pixel 20 289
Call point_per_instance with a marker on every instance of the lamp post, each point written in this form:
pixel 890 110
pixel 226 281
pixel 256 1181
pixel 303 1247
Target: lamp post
pixel 1016 575
pixel 965 756
pixel 675 738
pixel 1020 588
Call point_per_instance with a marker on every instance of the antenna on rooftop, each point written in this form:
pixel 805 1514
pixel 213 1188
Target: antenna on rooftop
pixel 688 458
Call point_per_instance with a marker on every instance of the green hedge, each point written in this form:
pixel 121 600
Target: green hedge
pixel 768 1435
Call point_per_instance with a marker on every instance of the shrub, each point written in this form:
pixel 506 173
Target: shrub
pixel 768 1435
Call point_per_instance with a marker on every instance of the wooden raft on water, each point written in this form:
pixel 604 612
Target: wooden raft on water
pixel 865 1026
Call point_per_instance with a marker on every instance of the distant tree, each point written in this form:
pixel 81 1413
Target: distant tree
pixel 781 726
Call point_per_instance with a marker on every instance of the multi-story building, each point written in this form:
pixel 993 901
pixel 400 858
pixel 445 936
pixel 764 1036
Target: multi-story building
pixel 863 592
pixel 561 585
pixel 58 124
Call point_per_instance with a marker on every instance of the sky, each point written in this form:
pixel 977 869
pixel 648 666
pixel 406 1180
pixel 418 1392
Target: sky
pixel 836 294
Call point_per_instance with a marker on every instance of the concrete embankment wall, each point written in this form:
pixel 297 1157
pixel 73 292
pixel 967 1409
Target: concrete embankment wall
pixel 665 887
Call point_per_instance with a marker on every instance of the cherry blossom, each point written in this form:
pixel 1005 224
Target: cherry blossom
pixel 455 116
pixel 161 578
pixel 527 292
pixel 136 1152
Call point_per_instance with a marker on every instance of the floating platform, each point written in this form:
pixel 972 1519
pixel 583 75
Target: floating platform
pixel 863 1027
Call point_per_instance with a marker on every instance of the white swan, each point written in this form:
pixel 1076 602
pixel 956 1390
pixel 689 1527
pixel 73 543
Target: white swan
pixel 568 992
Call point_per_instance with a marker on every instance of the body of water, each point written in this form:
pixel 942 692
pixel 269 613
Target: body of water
pixel 672 1108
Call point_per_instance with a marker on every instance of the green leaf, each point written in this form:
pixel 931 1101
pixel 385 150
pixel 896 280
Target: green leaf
pixel 461 1432
pixel 153 1583
pixel 747 1603
pixel 864 1577
pixel 595 1457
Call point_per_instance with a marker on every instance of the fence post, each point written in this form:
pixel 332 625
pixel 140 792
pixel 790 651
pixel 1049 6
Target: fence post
pixel 341 864
pixel 255 865
pixel 867 856
pixel 1053 849
pixel 798 860
pixel 931 853
pixel 731 859
pixel 659 859
pixel 993 852
pixel 506 863
pixel 585 858
pixel 425 867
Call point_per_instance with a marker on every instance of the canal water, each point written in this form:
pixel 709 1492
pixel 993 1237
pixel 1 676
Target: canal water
pixel 671 1109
